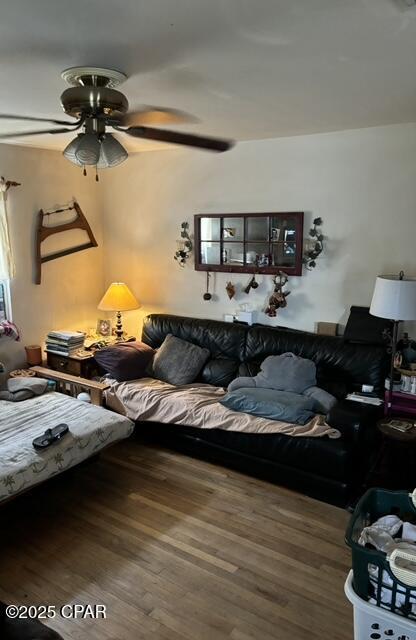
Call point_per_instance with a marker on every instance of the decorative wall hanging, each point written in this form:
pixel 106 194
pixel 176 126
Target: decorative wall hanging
pixel 207 295
pixel 6 184
pixel 184 246
pixel 316 242
pixel 253 284
pixel 230 289
pixel 249 242
pixel 7 267
pixel 44 232
pixel 278 298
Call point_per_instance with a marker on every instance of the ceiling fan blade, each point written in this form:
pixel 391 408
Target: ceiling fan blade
pixel 151 115
pixel 22 134
pixel 175 137
pixel 9 116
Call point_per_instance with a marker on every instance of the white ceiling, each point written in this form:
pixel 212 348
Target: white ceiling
pixel 247 69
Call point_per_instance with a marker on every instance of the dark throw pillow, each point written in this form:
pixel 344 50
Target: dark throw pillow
pixel 125 360
pixel 178 362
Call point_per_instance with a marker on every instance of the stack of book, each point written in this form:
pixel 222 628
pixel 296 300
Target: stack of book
pixel 64 343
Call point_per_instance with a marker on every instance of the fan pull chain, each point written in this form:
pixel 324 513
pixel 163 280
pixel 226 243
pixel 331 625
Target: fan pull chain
pixel 85 171
pixel 97 179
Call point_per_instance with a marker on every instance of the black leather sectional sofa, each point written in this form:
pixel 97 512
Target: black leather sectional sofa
pixel 330 470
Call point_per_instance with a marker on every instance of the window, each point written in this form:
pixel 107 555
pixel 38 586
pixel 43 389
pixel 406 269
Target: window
pixel 5 306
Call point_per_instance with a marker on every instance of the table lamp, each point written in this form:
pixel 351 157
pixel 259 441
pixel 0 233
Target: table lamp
pixel 394 298
pixel 118 297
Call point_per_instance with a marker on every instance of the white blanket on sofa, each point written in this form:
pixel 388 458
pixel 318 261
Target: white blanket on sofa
pixel 197 405
pixel 91 428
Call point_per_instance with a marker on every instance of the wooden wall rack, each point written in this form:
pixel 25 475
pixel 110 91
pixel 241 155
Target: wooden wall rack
pixel 44 232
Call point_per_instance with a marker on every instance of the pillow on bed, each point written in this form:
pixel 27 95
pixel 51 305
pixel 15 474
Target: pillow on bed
pixel 271 404
pixel 177 361
pixel 125 360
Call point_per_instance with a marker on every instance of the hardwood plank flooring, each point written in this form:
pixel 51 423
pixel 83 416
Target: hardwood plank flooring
pixel 177 549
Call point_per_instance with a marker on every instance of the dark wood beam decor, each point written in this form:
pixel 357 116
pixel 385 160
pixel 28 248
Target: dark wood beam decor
pixel 44 232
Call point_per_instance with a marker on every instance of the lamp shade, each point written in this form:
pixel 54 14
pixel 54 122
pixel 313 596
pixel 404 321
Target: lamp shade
pixel 118 297
pixel 112 152
pixel 88 149
pixel 394 298
pixel 70 149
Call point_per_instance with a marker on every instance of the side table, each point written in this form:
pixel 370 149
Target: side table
pixel 402 404
pixel 396 463
pixel 74 365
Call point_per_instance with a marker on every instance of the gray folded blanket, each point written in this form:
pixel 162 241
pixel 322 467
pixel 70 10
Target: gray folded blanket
pixel 23 388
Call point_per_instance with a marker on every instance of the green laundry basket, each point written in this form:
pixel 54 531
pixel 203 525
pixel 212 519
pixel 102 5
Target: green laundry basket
pixel 388 582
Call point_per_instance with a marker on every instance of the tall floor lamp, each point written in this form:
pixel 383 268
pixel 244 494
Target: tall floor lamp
pixel 394 298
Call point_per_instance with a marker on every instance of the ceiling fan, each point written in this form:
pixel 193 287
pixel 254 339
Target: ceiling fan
pixel 96 106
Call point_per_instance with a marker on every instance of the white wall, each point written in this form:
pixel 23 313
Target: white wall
pixel 362 183
pixel 71 286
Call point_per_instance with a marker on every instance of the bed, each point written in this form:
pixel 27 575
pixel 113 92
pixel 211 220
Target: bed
pixel 91 429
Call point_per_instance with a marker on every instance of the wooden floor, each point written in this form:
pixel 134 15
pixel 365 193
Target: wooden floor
pixel 177 549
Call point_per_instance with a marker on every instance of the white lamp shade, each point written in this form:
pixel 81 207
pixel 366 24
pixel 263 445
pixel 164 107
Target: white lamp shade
pixel 394 298
pixel 118 297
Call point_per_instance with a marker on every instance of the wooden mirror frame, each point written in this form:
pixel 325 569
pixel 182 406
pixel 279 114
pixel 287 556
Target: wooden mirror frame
pixel 292 270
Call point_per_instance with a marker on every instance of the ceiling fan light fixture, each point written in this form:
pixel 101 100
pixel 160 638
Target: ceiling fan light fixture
pixel 88 149
pixel 112 152
pixel 71 148
pixel 96 106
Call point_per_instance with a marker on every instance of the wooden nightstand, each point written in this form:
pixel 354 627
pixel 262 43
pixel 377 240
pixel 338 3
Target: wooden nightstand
pixel 75 366
pixel 395 464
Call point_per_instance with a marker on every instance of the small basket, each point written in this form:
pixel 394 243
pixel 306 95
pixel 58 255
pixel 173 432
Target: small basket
pixel 375 623
pixel 388 582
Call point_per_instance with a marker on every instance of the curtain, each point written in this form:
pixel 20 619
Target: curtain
pixel 7 268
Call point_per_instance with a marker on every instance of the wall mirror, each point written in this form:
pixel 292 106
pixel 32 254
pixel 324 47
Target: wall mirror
pixel 249 242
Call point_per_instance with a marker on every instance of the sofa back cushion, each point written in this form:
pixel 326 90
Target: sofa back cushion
pixel 340 366
pixel 225 342
pixel 238 350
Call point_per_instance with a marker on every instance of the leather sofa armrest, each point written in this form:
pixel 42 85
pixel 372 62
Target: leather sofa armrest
pixel 356 421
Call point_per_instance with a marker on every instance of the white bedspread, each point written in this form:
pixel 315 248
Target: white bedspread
pixel 91 429
pixel 197 405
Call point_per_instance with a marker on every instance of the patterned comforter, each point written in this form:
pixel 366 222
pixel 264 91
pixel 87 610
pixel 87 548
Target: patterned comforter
pixel 91 429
